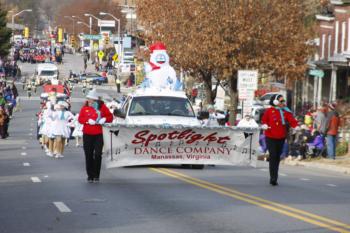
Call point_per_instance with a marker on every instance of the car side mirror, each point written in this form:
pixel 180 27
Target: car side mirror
pixel 119 113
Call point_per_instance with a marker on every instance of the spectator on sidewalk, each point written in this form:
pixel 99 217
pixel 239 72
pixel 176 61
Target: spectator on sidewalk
pixel 333 122
pixel 316 147
pixel 3 122
pixel 320 122
pixel 274 122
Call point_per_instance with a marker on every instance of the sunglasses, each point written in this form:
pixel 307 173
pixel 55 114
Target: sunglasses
pixel 282 101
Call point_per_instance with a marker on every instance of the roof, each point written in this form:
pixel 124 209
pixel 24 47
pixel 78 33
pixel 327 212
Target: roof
pixel 158 92
pixel 48 66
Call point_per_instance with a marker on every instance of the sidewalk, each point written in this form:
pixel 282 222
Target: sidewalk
pixel 341 164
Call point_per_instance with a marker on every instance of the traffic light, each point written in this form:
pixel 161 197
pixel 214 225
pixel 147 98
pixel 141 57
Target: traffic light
pixel 107 40
pixel 72 39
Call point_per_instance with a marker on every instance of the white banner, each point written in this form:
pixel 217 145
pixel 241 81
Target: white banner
pixel 146 145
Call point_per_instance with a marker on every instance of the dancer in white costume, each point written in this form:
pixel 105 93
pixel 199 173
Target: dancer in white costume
pixel 60 127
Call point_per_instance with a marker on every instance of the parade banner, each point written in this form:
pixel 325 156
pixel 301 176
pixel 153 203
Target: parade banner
pixel 127 145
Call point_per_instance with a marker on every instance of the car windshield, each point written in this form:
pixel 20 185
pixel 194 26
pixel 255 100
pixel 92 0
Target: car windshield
pixel 161 106
pixel 48 72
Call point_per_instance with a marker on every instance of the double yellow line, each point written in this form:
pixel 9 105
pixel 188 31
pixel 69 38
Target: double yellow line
pixel 273 206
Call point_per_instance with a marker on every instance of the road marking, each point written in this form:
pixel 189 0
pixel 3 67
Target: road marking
pixel 62 207
pixel 24 153
pixel 30 134
pixel 304 179
pixel 263 170
pixel 331 185
pixel 46 176
pixel 282 174
pixel 35 179
pixel 24 148
pixel 31 129
pixel 263 203
pixel 26 164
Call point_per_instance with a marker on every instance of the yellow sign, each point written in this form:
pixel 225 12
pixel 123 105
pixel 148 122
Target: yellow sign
pixel 100 54
pixel 26 32
pixel 60 35
pixel 115 57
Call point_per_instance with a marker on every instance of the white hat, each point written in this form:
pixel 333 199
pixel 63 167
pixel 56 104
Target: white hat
pixel 92 95
pixel 63 103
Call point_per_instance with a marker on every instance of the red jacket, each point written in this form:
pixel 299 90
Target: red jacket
pixel 273 119
pixel 88 112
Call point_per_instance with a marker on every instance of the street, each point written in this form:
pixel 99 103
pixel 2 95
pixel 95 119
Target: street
pixel 42 194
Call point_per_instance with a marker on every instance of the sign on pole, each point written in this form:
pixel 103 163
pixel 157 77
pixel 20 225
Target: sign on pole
pixel 106 23
pixel 115 57
pixel 247 79
pixel 317 73
pixel 247 84
pixel 100 55
pixel 92 37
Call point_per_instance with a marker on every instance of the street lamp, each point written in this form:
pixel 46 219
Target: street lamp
pixel 118 20
pixel 87 25
pixel 70 18
pixel 13 21
pixel 92 16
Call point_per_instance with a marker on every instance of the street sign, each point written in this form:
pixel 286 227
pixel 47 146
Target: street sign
pixel 106 23
pixel 246 94
pixel 100 54
pixel 92 37
pixel 247 79
pixel 317 73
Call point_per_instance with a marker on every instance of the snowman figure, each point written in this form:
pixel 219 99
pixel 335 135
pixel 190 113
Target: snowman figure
pixel 159 73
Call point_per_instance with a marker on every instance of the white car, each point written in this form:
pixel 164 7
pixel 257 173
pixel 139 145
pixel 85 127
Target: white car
pixel 157 107
pixel 46 72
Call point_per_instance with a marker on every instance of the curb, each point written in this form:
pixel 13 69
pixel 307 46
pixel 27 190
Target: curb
pixel 329 167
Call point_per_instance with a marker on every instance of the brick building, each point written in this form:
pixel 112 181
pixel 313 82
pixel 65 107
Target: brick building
pixel 333 55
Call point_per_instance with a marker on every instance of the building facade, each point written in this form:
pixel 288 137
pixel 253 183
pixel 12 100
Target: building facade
pixel 333 55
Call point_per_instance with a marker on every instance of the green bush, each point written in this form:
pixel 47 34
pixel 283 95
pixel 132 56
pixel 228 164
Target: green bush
pixel 342 149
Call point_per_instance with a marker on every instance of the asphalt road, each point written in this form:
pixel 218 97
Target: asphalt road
pixel 42 194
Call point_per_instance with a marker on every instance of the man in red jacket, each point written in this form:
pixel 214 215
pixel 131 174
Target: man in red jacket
pixel 92 116
pixel 275 122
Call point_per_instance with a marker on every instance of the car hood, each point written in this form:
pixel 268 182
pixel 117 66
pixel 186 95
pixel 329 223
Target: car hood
pixel 162 120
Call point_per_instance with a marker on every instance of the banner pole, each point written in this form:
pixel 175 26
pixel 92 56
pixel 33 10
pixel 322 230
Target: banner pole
pixel 111 151
pixel 250 146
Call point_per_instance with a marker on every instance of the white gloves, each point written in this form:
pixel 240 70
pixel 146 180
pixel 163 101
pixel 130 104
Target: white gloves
pixel 264 126
pixel 297 128
pixel 91 122
pixel 102 121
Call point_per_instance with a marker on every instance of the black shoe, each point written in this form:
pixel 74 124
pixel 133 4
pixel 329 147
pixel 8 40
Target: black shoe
pixel 273 183
pixel 96 180
pixel 90 180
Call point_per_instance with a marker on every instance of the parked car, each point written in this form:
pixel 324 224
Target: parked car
pixel 93 78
